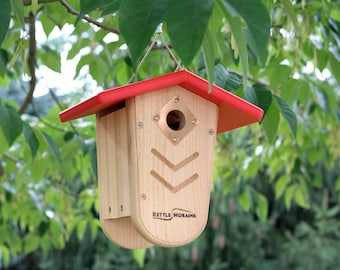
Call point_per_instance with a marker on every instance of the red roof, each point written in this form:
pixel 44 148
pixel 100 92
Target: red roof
pixel 234 112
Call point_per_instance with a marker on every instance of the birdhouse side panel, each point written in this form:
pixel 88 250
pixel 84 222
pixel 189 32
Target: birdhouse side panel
pixel 175 137
pixel 113 166
pixel 114 180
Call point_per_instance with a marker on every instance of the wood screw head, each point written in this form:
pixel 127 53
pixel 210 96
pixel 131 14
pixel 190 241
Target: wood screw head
pixel 156 117
pixel 175 139
pixel 176 99
pixel 143 196
pixel 139 125
pixel 211 131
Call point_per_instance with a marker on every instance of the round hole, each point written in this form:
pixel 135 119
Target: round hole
pixel 175 120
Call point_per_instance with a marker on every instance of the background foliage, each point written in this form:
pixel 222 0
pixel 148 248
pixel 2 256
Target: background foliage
pixel 275 199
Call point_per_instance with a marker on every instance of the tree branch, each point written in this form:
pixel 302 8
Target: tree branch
pixel 89 19
pixel 75 12
pixel 55 98
pixel 46 123
pixel 250 78
pixel 31 63
pixel 29 2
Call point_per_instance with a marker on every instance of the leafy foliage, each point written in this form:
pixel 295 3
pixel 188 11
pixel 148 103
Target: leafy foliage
pixel 257 19
pixel 138 21
pixel 276 185
pixel 5 18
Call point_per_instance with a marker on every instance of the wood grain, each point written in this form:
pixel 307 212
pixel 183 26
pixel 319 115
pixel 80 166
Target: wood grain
pixel 164 217
pixel 114 180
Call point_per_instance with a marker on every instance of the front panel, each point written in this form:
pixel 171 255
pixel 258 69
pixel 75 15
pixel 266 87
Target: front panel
pixel 175 132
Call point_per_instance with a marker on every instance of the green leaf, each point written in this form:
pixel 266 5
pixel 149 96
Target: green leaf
pixel 139 256
pixel 16 55
pixel 289 195
pixel 53 147
pixel 209 57
pixel 94 227
pixel 278 74
pixel 84 60
pixel 93 158
pixel 337 184
pixel 3 145
pixel 5 255
pixel 235 24
pixel 288 114
pixel 264 96
pixel 251 95
pixel 68 136
pixel 76 47
pixel 97 69
pixel 226 79
pixel 281 185
pixel 262 207
pixel 5 17
pixel 86 6
pixel 335 66
pixel 301 197
pixel 259 95
pixel 315 154
pixel 10 123
pixel 4 58
pixel 47 24
pixel 50 58
pixel 34 6
pixel 111 8
pixel 187 22
pixel 31 139
pixel 81 229
pixel 244 199
pixel 256 16
pixel 31 243
pixel 323 99
pixel 138 20
pixel 270 122
pixel 18 10
pixel 287 5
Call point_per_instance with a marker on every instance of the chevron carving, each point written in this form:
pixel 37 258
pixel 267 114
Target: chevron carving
pixel 174 168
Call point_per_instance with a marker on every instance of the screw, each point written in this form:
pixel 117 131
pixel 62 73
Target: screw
pixel 211 131
pixel 194 121
pixel 176 99
pixel 139 125
pixel 175 139
pixel 156 118
pixel 143 196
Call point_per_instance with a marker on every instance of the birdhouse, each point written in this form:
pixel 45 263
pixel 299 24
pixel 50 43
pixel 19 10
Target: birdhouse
pixel 155 149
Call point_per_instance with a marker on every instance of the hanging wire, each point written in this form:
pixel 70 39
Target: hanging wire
pixel 143 59
pixel 173 57
pixel 159 32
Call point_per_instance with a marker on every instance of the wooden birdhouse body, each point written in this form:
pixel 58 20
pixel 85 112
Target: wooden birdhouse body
pixel 155 148
pixel 149 173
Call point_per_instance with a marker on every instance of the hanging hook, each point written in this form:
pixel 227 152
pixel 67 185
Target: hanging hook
pixel 159 32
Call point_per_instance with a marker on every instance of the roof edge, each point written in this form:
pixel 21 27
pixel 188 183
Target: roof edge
pixel 234 112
